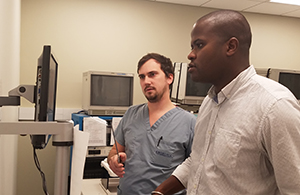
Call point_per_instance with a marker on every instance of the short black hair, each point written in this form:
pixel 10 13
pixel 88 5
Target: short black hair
pixel 230 23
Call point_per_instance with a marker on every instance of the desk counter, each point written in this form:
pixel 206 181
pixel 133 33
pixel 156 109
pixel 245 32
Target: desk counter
pixel 94 187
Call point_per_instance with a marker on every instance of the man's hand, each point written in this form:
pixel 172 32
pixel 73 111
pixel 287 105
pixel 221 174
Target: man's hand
pixel 116 166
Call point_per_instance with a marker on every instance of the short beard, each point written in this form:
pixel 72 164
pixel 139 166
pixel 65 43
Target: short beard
pixel 153 99
pixel 156 97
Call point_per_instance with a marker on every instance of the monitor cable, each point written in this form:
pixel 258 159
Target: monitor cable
pixel 37 163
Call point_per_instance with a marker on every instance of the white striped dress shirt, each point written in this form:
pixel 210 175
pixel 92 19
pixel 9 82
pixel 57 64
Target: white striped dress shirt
pixel 246 144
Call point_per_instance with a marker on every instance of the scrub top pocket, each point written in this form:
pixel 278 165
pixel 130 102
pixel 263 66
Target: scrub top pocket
pixel 162 154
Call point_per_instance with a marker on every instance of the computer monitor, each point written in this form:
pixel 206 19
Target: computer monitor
pixel 184 90
pixel 45 93
pixel 107 93
pixel 262 71
pixel 288 78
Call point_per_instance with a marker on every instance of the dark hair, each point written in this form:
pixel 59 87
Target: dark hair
pixel 165 63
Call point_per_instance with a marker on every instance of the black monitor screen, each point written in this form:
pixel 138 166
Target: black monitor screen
pixel 291 81
pixel 52 90
pixel 196 88
pixel 45 97
pixel 111 90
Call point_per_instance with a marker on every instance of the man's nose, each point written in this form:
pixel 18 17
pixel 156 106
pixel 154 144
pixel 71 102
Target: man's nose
pixel 191 55
pixel 147 80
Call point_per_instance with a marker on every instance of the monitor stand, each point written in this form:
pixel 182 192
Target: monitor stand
pixel 62 138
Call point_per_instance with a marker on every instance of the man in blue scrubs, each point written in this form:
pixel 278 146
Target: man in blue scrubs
pixel 155 137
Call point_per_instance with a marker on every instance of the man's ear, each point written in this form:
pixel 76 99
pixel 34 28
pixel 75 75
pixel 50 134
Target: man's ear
pixel 232 46
pixel 170 78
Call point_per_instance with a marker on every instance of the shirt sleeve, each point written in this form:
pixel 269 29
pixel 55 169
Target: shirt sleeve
pixel 127 118
pixel 119 134
pixel 191 136
pixel 281 139
pixel 182 172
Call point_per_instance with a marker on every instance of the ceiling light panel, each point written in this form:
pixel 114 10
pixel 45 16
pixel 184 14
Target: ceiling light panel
pixel 272 8
pixel 290 2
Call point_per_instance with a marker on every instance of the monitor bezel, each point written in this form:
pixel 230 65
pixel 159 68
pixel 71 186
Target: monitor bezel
pixel 42 95
pixel 178 89
pixel 274 74
pixel 103 109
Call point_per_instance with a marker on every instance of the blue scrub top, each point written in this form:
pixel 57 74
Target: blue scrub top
pixel 153 152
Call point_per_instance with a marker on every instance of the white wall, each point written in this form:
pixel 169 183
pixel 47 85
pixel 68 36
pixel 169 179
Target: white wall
pixel 112 35
pixel 276 41
pixel 9 78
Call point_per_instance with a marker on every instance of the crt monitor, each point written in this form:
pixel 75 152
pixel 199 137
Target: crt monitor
pixel 45 93
pixel 262 71
pixel 107 93
pixel 288 78
pixel 184 90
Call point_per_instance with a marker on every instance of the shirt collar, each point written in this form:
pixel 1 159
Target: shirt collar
pixel 231 87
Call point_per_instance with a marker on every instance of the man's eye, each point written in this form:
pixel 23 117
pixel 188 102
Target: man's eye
pixel 142 76
pixel 199 45
pixel 152 74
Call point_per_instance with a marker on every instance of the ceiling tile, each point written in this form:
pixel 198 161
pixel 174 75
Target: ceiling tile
pixel 254 6
pixel 259 0
pixel 186 2
pixel 293 13
pixel 272 8
pixel 238 5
